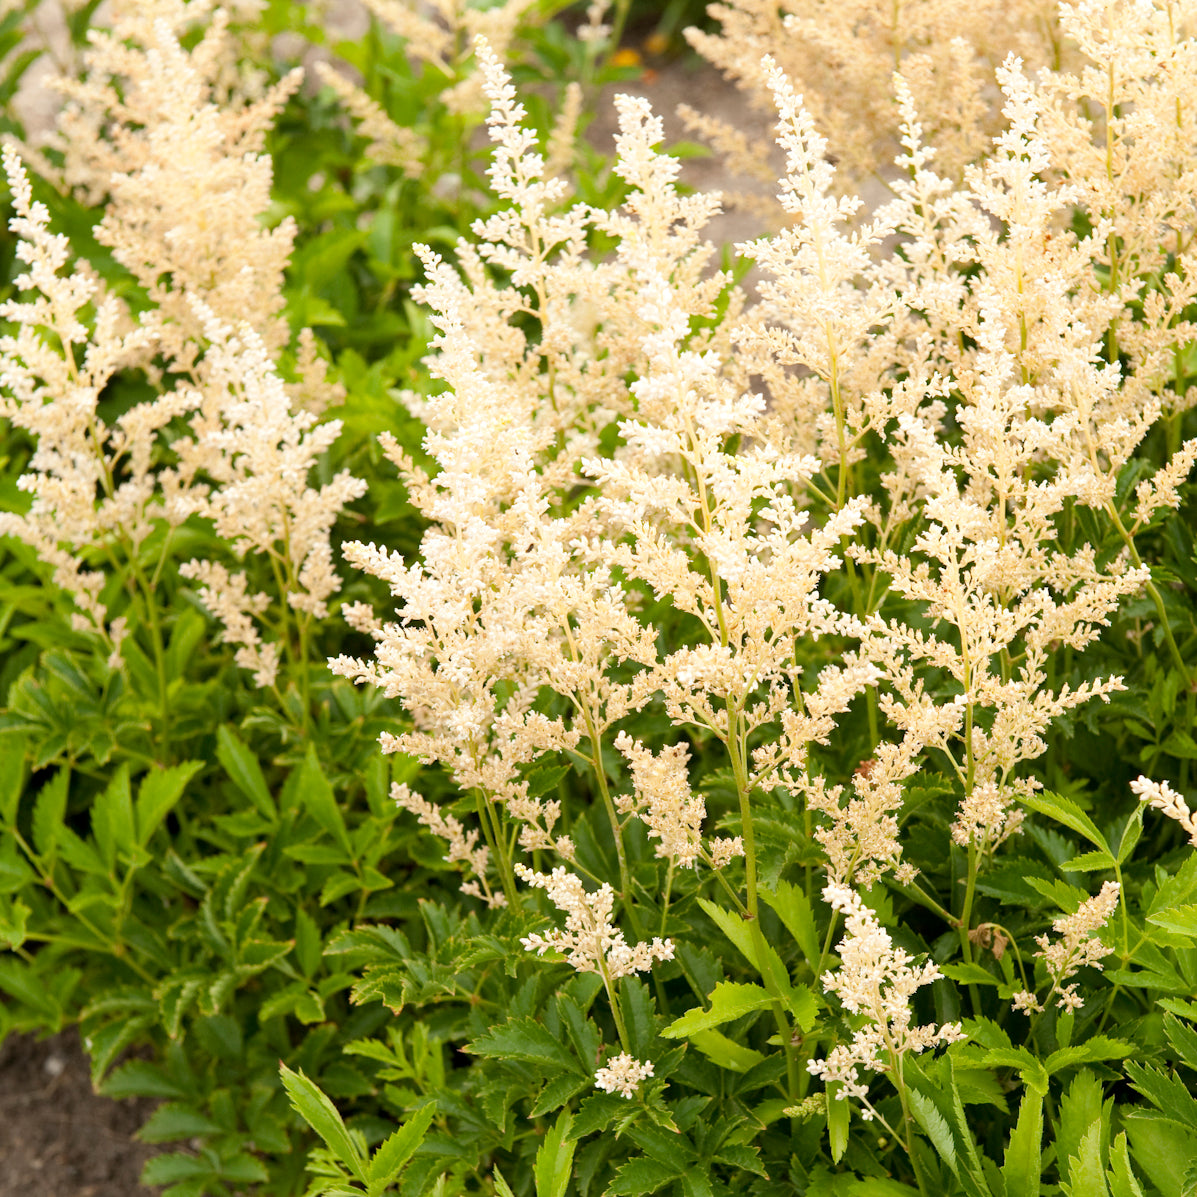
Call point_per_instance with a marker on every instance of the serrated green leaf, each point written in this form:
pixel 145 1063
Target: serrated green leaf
pixel 1068 812
pixel 158 793
pixel 1022 1170
pixel 1168 1093
pixel 759 954
pixel 316 795
pixel 13 748
pixel 936 1128
pixel 525 1039
pixel 393 1154
pixel 725 1052
pixel 321 1115
pixel 14 923
pixel 557 1092
pixel 48 813
pixel 1100 1047
pixel 1121 1177
pixel 174 1120
pixel 555 1158
pixel 792 907
pixel 1086 1171
pixel 1088 862
pixel 112 818
pixel 242 766
pixel 839 1116
pixel 1080 1108
pixel 639 1177
pixel 174 1166
pixel 1178 920
pixel 1033 1073
pixel 1183 1039
pixel 729 1001
pixel 140 1078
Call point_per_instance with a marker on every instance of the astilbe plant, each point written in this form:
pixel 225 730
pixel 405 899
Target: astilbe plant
pixel 951 384
pixel 726 601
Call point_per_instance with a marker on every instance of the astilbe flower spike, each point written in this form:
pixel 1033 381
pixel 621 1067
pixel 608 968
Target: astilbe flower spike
pixel 1077 948
pixel 876 981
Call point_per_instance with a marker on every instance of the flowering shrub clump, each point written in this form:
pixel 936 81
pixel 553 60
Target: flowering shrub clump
pixel 817 639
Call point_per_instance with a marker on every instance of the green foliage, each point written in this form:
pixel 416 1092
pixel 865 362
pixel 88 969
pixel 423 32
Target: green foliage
pixel 214 883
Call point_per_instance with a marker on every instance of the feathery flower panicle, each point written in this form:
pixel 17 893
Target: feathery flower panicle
pixel 1077 948
pixel 623 1074
pixel 91 484
pixel 875 980
pixel 590 941
pixel 1162 797
pixel 152 130
pixel 245 466
pixel 842 57
pixel 463 845
pixel 663 800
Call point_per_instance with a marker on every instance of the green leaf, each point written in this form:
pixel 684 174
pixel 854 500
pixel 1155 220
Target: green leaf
pixel 1034 1075
pixel 1086 1172
pixel 1088 862
pixel 1100 1047
pixel 1163 1152
pixel 159 791
pixel 1179 920
pixel 637 1013
pixel 1069 813
pixel 317 796
pixel 936 1128
pixel 1080 1107
pixel 1022 1170
pixel 725 1052
pixel 502 1188
pixel 1183 1039
pixel 174 1120
pixel 640 1176
pixel 174 1166
pixel 558 1091
pixel 14 920
pixel 1167 1092
pixel 969 974
pixel 794 910
pixel 554 1159
pixel 12 775
pixel 394 1152
pixel 112 818
pixel 739 932
pixel 839 1116
pixel 49 811
pixel 729 1001
pixel 321 1115
pixel 140 1078
pixel 1121 1177
pixel 242 766
pixel 525 1040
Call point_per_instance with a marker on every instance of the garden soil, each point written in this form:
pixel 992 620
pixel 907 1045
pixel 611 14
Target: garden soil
pixel 57 1138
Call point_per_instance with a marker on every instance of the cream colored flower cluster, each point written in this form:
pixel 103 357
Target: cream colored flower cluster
pixel 590 942
pixel 842 57
pixel 875 980
pixel 171 141
pixel 663 800
pixel 1077 948
pixel 89 482
pixel 1162 797
pixel 622 1074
